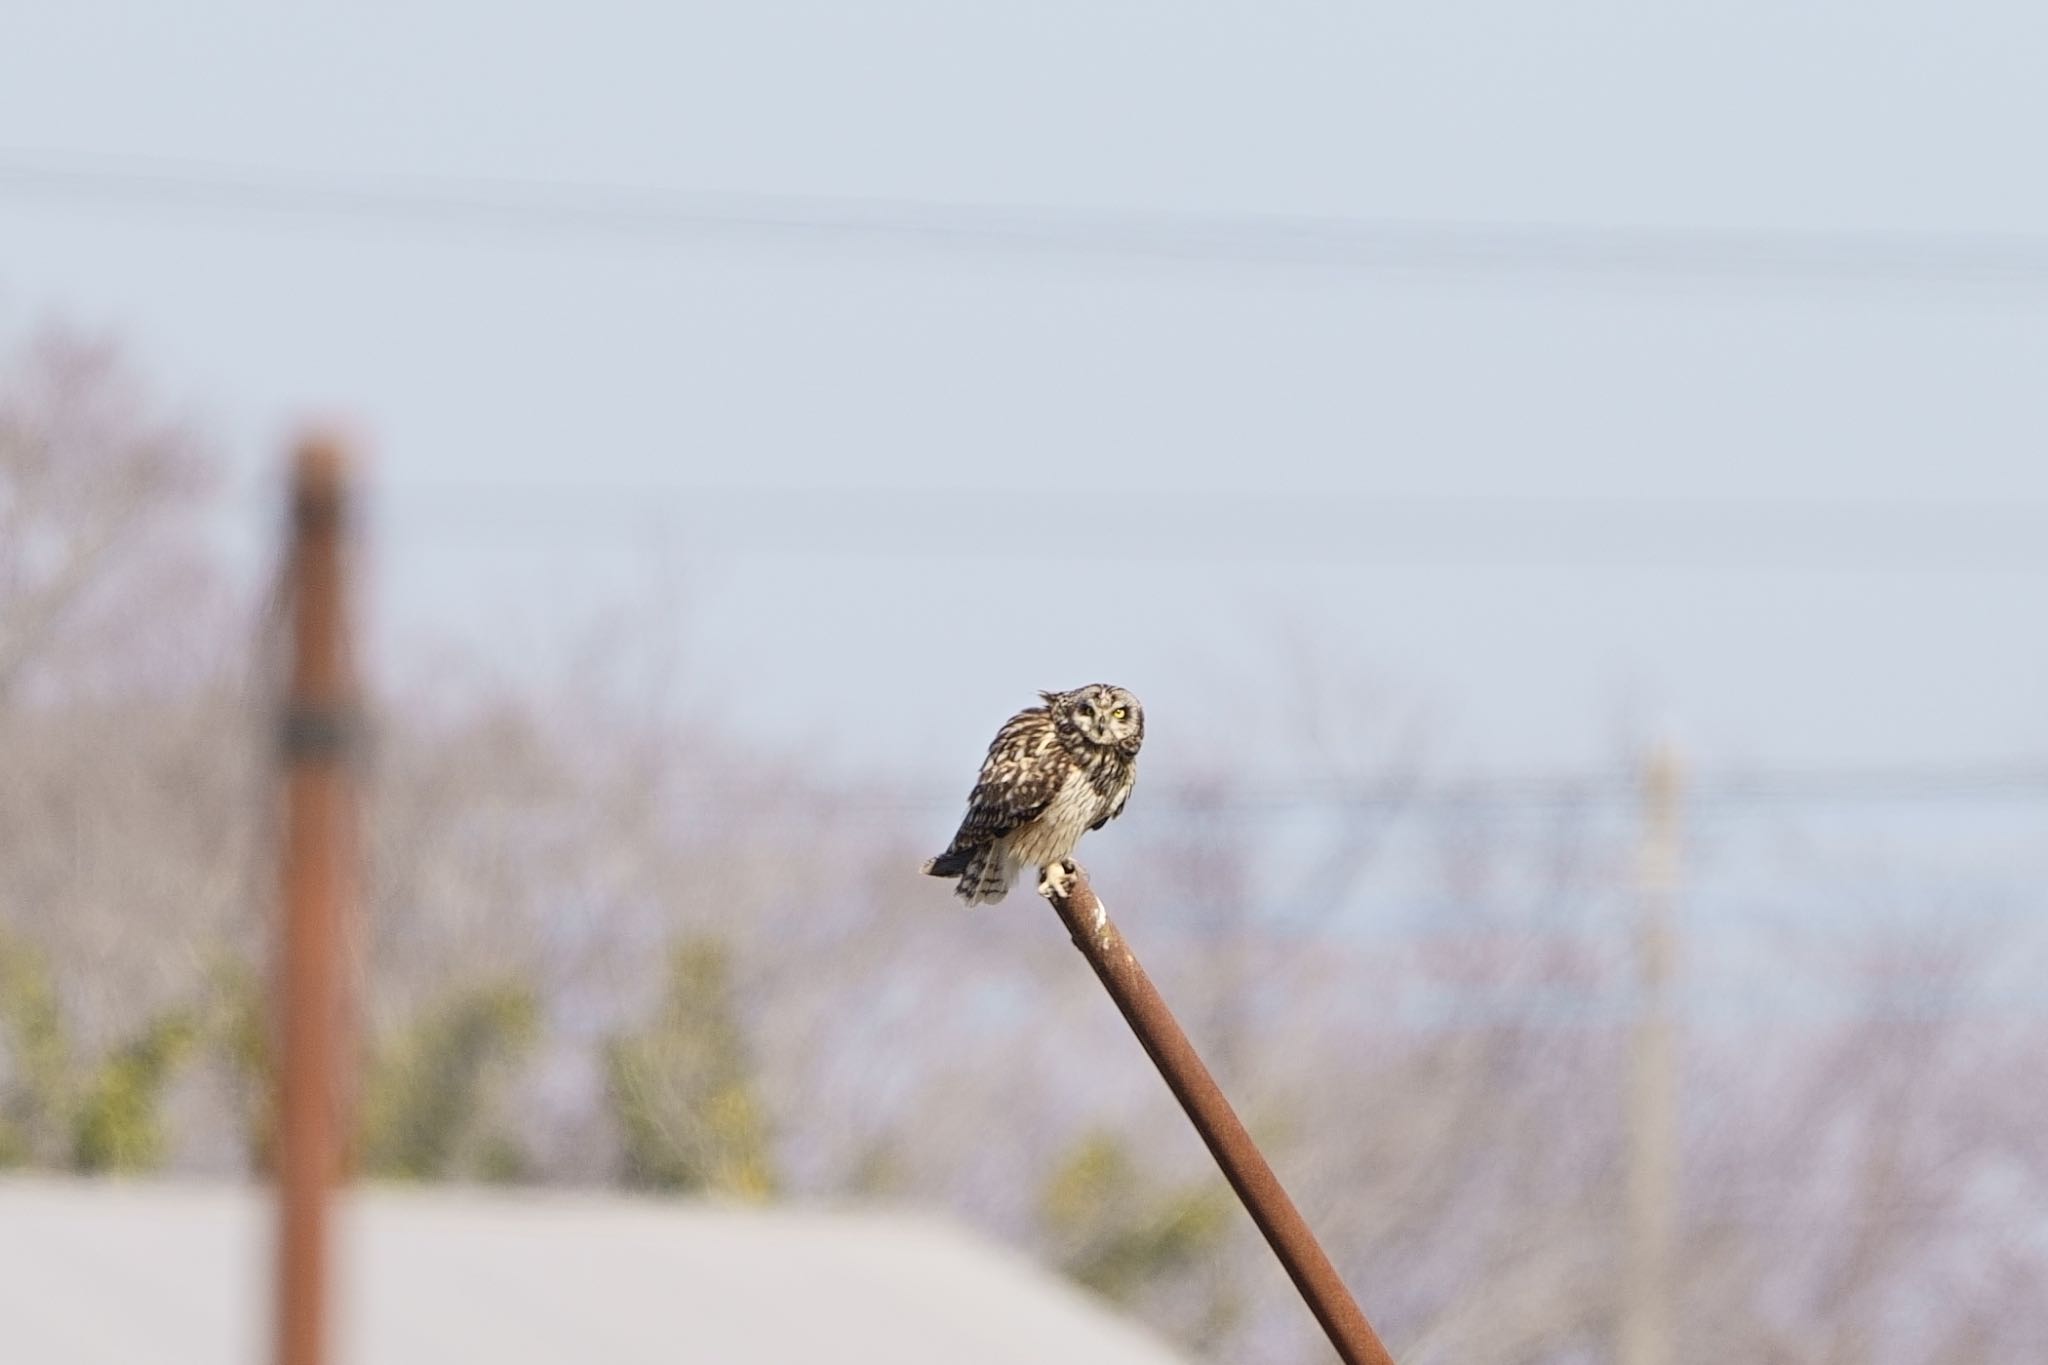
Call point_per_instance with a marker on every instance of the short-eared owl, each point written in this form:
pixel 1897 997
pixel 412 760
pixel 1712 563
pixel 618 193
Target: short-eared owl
pixel 1053 773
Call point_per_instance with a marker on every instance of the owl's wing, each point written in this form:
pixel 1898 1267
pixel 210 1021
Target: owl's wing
pixel 997 808
pixel 1019 779
pixel 1116 807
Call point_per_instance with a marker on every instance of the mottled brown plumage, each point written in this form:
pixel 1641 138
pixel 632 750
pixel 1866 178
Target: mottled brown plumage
pixel 1053 773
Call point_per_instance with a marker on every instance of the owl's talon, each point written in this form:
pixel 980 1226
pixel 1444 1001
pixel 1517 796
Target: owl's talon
pixel 1055 880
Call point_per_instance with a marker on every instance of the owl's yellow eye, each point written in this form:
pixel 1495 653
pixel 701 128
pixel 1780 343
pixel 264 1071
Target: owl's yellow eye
pixel 1118 714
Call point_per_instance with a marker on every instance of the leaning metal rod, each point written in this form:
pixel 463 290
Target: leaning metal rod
pixel 1243 1164
pixel 318 889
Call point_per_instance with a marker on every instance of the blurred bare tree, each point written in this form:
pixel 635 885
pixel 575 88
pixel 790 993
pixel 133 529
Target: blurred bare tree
pixel 607 943
pixel 99 490
pixel 123 798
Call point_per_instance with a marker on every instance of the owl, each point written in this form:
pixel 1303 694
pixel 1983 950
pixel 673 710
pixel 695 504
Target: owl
pixel 1053 773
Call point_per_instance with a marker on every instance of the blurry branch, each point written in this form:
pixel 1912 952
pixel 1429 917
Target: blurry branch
pixel 684 1091
pixel 83 472
pixel 1540 1298
pixel 1359 739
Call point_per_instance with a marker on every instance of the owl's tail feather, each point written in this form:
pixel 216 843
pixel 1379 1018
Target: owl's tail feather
pixel 951 863
pixel 983 877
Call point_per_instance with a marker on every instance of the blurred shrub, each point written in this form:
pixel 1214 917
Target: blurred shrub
pixel 683 1088
pixel 32 1030
pixel 118 1125
pixel 1119 1232
pixel 428 1110
pixel 85 1115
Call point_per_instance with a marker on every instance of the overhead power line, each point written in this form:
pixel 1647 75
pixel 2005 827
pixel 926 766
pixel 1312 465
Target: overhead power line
pixel 599 210
pixel 1903 785
pixel 1725 534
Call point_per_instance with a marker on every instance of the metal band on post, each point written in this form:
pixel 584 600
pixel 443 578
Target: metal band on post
pixel 319 733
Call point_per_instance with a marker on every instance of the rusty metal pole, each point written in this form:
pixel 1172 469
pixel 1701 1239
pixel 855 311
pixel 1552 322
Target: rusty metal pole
pixel 319 890
pixel 1244 1166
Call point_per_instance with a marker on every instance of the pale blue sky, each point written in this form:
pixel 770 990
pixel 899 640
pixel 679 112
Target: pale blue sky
pixel 596 366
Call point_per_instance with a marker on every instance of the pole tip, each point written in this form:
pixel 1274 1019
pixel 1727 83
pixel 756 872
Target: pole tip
pixel 1663 768
pixel 322 465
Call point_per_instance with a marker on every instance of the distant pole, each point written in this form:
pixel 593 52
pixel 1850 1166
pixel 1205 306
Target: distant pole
pixel 1243 1164
pixel 1650 1285
pixel 319 891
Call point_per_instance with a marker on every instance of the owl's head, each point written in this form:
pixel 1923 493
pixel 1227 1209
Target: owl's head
pixel 1100 714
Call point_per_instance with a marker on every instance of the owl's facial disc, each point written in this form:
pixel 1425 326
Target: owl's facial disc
pixel 1107 715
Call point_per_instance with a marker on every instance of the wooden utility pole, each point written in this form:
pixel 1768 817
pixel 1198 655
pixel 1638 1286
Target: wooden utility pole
pixel 1645 1329
pixel 319 888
